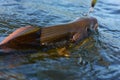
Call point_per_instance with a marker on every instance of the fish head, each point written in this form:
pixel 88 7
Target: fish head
pixel 93 25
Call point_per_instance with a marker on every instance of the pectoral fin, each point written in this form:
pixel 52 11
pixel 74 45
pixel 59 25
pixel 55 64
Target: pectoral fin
pixel 76 37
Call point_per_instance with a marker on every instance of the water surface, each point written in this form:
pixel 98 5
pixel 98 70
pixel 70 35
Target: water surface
pixel 100 54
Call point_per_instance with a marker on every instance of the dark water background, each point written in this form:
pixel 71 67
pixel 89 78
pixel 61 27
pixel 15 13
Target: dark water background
pixel 101 58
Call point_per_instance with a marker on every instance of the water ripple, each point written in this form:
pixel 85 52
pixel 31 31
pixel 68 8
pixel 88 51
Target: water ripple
pixel 101 53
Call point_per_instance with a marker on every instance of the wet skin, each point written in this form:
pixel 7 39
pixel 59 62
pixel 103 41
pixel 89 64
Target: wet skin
pixel 35 38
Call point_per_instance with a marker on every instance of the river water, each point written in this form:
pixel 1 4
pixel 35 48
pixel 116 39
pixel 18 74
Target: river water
pixel 100 55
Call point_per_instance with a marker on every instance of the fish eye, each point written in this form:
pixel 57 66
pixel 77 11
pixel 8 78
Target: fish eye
pixel 87 29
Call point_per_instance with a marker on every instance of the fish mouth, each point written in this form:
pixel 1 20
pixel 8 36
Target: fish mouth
pixel 92 29
pixel 95 27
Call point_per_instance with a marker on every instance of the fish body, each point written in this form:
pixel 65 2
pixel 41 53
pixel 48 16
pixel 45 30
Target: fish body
pixel 36 38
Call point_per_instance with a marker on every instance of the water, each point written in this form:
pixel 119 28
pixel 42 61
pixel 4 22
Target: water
pixel 100 54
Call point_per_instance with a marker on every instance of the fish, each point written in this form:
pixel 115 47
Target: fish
pixel 45 38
